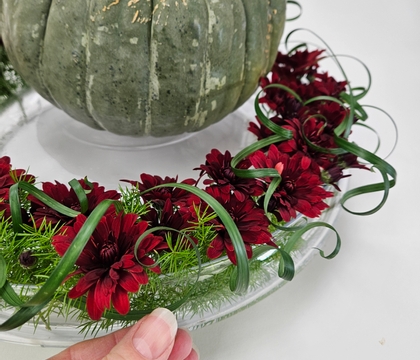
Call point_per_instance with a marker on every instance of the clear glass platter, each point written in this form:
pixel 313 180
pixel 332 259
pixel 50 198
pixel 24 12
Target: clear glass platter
pixel 52 146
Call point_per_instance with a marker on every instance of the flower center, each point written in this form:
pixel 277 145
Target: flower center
pixel 27 260
pixel 109 253
pixel 289 186
pixel 228 173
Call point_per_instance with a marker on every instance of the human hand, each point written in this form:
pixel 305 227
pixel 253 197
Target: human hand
pixel 155 337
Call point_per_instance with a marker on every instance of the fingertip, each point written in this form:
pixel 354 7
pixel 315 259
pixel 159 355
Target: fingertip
pixel 182 345
pixel 194 355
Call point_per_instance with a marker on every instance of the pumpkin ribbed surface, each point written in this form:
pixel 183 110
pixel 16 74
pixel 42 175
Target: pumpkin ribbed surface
pixel 143 67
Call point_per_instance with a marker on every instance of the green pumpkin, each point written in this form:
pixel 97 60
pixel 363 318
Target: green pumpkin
pixel 143 67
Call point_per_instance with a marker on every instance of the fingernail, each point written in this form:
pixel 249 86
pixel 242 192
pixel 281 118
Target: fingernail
pixel 155 334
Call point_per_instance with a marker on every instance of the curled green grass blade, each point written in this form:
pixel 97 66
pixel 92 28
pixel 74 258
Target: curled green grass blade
pixel 335 151
pixel 15 206
pixel 280 134
pixel 299 233
pixel 358 109
pixel 337 248
pixel 21 317
pixel 3 271
pixel 297 47
pixel 388 173
pixel 8 294
pixel 240 282
pixel 363 89
pixel 276 129
pixel 243 154
pixel 81 195
pixel 393 124
pixel 292 228
pixel 378 139
pixel 292 2
pixel 286 269
pixel 286 266
pixel 345 127
pixel 324 98
pixel 270 191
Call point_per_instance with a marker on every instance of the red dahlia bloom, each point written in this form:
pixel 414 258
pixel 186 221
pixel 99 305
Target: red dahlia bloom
pixel 68 197
pixel 159 196
pixel 172 217
pixel 108 264
pixel 8 177
pixel 300 188
pixel 297 65
pixel 327 85
pixel 250 220
pixel 218 167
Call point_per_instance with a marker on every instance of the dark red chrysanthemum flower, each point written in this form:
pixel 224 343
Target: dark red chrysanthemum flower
pixel 159 196
pixel 300 188
pixel 5 209
pixel 172 217
pixel 218 167
pixel 327 85
pixel 66 196
pixel 297 65
pixel 313 131
pixel 280 101
pixel 9 177
pixel 250 220
pixel 108 264
pixel 333 173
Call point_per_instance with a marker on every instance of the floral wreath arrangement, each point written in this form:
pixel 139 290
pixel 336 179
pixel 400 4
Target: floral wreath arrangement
pixel 106 256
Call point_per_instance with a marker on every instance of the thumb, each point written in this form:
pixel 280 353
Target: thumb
pixel 152 338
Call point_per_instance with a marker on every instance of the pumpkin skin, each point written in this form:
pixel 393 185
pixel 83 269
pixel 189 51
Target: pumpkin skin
pixel 143 67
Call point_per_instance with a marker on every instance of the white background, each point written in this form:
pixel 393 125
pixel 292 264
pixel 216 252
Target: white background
pixel 364 304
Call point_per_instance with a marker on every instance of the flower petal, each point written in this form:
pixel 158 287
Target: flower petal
pixel 120 301
pixel 128 282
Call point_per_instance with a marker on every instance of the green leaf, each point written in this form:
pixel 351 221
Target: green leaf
pixel 21 317
pixel 270 191
pixel 384 168
pixel 244 153
pixel 344 128
pixel 363 89
pixel 286 266
pixel 50 202
pixel 3 271
pixel 324 98
pixel 276 129
pixel 300 10
pixel 299 233
pixel 81 195
pixel 393 124
pixel 8 294
pixel 15 208
pixel 358 109
pixel 335 151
